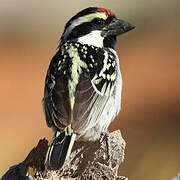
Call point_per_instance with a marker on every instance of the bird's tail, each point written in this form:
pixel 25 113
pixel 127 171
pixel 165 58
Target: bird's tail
pixel 60 148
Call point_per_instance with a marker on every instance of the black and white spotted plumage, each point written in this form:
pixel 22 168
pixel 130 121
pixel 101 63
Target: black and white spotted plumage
pixel 98 76
pixel 83 83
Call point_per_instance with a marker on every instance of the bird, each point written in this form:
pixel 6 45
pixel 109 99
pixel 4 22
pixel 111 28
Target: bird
pixel 83 85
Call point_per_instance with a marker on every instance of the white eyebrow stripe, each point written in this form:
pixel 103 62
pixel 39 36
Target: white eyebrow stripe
pixel 83 19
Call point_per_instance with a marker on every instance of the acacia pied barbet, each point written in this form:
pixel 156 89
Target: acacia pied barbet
pixel 83 84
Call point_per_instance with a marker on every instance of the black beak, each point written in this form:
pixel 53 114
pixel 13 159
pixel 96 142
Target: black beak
pixel 117 27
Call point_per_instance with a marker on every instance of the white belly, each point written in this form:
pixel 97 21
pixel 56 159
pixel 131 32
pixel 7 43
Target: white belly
pixel 110 111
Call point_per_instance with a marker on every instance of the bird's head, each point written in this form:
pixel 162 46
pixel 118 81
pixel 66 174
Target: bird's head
pixel 95 26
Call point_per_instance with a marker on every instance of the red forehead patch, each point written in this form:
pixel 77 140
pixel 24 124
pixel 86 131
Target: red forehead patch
pixel 107 11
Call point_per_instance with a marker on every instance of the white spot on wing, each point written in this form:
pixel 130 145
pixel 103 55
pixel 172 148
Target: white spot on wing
pixel 104 63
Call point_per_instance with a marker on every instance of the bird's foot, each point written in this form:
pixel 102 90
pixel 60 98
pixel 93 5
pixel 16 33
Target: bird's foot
pixel 108 146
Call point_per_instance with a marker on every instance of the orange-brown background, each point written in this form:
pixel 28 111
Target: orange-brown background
pixel 150 65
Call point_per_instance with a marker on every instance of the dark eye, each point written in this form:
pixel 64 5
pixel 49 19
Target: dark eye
pixel 100 21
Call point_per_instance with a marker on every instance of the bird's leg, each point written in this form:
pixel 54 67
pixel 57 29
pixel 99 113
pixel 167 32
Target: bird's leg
pixel 108 146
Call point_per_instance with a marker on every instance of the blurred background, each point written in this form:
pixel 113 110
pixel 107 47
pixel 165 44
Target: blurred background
pixel 150 65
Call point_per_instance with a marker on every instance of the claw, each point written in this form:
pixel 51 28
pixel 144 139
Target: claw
pixel 106 135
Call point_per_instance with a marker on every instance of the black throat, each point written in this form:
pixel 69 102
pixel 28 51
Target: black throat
pixel 110 41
